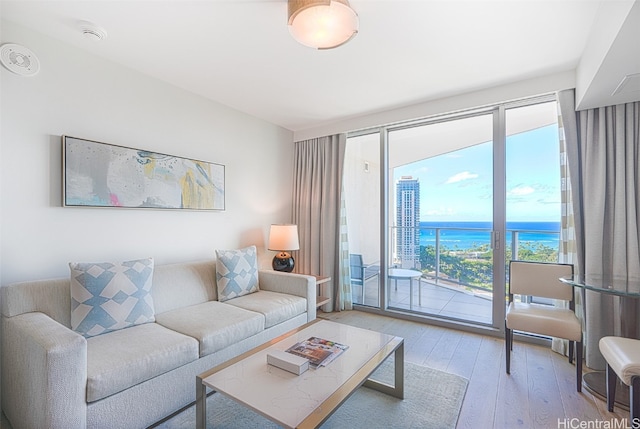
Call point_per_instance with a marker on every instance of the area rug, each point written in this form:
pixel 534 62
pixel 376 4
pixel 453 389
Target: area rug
pixel 432 400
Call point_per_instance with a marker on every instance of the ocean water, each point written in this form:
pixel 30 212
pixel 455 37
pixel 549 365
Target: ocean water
pixel 465 235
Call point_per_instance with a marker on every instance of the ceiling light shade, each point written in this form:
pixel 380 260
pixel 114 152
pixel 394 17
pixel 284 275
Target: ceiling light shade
pixel 322 24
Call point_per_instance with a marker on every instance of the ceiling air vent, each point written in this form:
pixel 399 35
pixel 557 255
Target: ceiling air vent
pixel 629 83
pixel 91 31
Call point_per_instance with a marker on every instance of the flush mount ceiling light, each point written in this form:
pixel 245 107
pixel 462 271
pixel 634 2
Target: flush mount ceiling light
pixel 322 24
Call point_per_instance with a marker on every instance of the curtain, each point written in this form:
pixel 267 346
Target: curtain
pixel 567 252
pixel 318 210
pixel 603 151
pixel 344 299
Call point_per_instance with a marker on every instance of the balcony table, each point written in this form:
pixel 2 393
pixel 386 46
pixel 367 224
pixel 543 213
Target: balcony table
pixel 403 274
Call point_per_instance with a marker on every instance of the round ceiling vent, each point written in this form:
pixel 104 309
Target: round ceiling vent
pixel 92 31
pixel 19 60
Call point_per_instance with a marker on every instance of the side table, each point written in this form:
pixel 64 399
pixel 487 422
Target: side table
pixel 322 299
pixel 403 274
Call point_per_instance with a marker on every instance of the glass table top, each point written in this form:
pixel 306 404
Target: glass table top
pixel 615 286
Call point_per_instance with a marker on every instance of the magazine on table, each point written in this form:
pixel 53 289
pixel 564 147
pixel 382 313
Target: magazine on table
pixel 319 351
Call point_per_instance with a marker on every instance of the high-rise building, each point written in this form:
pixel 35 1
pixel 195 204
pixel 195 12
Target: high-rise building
pixel 408 222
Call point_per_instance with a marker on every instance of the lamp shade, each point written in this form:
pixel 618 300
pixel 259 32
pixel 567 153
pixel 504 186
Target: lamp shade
pixel 322 24
pixel 283 238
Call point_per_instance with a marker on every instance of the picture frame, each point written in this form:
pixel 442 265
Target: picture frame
pixel 99 174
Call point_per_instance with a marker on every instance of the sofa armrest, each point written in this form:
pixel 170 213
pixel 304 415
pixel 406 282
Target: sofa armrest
pixel 293 284
pixel 44 373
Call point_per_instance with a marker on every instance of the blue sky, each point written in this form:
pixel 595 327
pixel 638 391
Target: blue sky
pixel 458 186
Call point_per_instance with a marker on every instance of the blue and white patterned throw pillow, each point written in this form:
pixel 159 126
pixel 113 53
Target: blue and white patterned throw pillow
pixel 109 296
pixel 236 272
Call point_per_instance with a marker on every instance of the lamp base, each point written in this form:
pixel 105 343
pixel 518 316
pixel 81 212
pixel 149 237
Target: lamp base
pixel 283 261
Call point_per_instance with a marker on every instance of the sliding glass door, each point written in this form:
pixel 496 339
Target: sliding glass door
pixel 441 213
pixel 533 182
pixel 437 208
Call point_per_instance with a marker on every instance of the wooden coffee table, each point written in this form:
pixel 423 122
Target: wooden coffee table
pixel 306 400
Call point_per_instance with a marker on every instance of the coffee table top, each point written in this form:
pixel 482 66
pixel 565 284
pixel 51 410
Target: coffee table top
pixel 288 399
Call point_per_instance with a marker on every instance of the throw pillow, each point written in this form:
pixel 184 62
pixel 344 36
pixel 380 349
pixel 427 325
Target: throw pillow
pixel 109 296
pixel 236 272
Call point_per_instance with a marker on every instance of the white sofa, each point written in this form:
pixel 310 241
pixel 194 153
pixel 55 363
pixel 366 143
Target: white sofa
pixel 53 377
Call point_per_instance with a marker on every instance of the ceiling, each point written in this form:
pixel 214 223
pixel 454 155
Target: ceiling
pixel 239 52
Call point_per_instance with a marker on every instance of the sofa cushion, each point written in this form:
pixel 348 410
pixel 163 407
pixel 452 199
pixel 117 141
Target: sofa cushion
pixel 183 284
pixel 214 324
pixel 236 272
pixel 276 307
pixel 111 295
pixel 124 358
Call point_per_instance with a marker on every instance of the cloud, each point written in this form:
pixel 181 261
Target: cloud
pixel 441 211
pixel 465 175
pixel 520 190
pixel 549 202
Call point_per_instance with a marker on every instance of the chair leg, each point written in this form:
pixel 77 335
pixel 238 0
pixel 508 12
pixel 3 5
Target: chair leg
pixel 572 345
pixel 612 380
pixel 511 340
pixel 578 346
pixel 634 400
pixel 507 344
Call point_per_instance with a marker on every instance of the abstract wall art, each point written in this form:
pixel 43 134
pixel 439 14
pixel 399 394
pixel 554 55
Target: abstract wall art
pixel 105 175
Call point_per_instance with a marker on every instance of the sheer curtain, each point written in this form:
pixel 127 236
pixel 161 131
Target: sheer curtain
pixel 603 150
pixel 567 252
pixel 318 210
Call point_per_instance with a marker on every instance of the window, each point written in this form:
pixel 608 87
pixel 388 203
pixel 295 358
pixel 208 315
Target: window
pixel 465 193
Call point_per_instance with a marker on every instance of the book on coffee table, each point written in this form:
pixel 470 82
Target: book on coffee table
pixel 318 351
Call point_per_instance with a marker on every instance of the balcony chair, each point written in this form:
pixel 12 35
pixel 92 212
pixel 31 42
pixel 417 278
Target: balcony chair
pixel 623 361
pixel 360 272
pixel 541 280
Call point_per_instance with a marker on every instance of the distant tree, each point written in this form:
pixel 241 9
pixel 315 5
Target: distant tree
pixel 537 252
pixel 428 258
pixel 478 271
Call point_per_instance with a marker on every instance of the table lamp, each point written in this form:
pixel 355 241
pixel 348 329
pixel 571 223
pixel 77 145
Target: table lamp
pixel 283 239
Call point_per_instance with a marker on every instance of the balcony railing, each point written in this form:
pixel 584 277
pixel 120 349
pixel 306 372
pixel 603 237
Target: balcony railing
pixel 472 267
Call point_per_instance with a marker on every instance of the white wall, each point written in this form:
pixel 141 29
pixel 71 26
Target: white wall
pixel 363 201
pixel 81 95
pixel 610 54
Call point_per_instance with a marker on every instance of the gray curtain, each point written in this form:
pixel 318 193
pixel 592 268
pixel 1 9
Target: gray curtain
pixel 318 211
pixel 603 151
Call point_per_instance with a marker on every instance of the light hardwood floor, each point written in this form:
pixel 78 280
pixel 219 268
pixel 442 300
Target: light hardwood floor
pixel 539 393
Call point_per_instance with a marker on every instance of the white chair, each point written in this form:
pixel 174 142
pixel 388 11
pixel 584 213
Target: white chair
pixel 541 280
pixel 623 361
